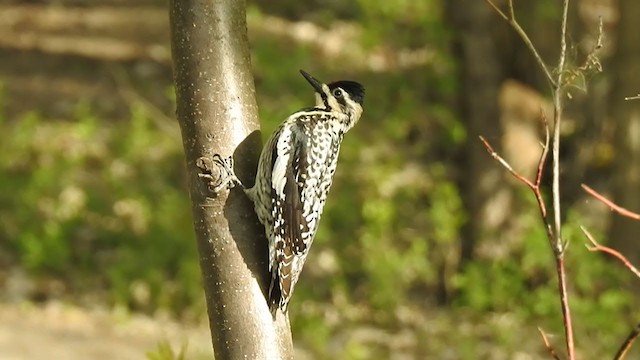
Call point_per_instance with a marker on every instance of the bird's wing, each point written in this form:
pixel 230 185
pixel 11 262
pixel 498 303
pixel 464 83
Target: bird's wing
pixel 289 178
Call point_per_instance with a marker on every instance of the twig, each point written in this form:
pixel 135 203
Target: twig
pixel 628 342
pixel 599 45
pixel 564 304
pixel 506 165
pixel 636 97
pixel 560 245
pixel 497 9
pixel 557 119
pixel 534 186
pixel 605 249
pixel 547 345
pixel 553 228
pixel 511 20
pixel 591 61
pixel 545 152
pixel 563 42
pixel 635 332
pixel 617 208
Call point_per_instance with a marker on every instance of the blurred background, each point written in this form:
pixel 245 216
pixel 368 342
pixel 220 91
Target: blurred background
pixel 427 248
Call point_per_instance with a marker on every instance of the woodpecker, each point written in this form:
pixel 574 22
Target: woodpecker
pixel 294 175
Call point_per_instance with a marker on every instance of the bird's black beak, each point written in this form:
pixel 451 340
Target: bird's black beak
pixel 313 81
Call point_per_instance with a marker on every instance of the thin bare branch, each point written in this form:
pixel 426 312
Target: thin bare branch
pixel 557 119
pixel 511 20
pixel 564 303
pixel 636 97
pixel 539 173
pixel 525 38
pixel 617 208
pixel 505 164
pixel 497 9
pixel 512 13
pixel 599 45
pixel 596 246
pixel 545 149
pixel 591 61
pixel 628 342
pixel 560 245
pixel 555 185
pixel 547 345
pixel 563 43
pixel 552 227
pixel 592 58
pixel 535 187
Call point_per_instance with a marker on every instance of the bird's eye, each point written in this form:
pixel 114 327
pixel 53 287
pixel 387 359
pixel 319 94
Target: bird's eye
pixel 337 93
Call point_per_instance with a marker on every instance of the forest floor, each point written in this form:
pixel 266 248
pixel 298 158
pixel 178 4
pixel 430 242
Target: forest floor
pixel 57 330
pixel 30 332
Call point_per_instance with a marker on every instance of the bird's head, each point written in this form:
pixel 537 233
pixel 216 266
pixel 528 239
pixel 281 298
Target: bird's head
pixel 342 96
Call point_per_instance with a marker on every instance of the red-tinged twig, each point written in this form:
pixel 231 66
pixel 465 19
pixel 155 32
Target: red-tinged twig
pixel 533 185
pixel 556 246
pixel 595 246
pixel 553 226
pixel 564 304
pixel 506 165
pixel 635 332
pixel 547 345
pixel 628 342
pixel 545 151
pixel 617 208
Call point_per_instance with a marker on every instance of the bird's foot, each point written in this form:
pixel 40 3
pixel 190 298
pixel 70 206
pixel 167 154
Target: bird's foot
pixel 217 172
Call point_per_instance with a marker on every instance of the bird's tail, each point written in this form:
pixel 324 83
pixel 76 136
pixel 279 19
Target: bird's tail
pixel 275 294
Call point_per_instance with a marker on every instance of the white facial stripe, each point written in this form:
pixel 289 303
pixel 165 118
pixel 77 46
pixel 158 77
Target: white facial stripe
pixel 334 104
pixel 319 101
pixel 351 108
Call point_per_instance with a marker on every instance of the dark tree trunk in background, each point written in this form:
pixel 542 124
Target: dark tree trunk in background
pixel 625 68
pixel 480 69
pixel 217 111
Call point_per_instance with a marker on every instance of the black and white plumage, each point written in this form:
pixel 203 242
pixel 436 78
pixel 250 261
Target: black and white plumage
pixel 295 173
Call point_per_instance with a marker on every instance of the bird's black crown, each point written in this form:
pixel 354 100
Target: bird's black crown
pixel 355 89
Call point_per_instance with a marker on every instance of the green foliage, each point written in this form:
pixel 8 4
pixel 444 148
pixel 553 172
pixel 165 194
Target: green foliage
pixel 403 22
pixel 100 203
pixel 402 243
pixel 525 282
pixel 164 351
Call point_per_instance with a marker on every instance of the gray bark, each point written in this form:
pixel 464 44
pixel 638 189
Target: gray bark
pixel 217 112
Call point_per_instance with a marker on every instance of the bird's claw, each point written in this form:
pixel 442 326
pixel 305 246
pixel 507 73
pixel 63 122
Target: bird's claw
pixel 217 172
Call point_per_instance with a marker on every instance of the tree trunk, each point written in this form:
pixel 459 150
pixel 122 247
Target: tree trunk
pixel 626 116
pixel 217 112
pixel 482 180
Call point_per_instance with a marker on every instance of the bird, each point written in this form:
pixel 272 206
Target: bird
pixel 295 172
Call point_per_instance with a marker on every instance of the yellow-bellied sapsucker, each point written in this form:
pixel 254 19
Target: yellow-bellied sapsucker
pixel 294 175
